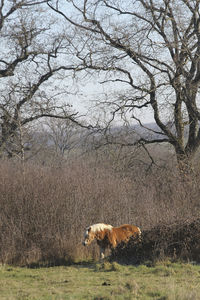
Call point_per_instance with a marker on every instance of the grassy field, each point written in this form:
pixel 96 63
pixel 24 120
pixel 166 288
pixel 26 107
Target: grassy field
pixel 101 282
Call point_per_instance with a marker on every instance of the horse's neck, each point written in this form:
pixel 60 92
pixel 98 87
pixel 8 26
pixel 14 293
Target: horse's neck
pixel 100 235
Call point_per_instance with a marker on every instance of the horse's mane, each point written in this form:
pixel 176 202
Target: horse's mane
pixel 99 227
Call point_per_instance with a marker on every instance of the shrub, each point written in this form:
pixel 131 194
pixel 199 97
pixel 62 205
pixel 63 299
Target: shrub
pixel 45 209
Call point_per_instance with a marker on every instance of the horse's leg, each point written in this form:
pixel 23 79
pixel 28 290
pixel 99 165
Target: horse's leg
pixel 101 250
pixel 102 254
pixel 111 240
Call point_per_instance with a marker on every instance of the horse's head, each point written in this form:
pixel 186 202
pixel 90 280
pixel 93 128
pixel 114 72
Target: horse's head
pixel 88 236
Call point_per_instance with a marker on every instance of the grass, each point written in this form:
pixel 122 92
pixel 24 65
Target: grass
pixel 101 282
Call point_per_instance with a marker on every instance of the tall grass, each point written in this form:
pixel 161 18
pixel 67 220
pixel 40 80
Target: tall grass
pixel 45 209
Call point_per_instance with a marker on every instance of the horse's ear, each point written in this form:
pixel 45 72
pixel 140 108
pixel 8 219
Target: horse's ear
pixel 89 229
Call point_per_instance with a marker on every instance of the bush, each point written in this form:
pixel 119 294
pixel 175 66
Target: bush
pixel 177 242
pixel 44 210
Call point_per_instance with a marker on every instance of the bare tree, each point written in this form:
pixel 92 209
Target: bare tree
pixel 64 135
pixel 151 48
pixel 36 67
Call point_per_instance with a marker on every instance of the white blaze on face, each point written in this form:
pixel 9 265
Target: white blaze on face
pixel 86 236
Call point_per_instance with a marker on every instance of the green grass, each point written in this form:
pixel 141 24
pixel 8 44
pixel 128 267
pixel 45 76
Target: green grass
pixel 101 282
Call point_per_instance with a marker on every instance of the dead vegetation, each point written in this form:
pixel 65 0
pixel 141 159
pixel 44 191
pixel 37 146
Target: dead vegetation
pixel 45 209
pixel 176 242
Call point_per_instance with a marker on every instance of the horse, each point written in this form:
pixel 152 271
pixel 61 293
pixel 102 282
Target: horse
pixel 108 236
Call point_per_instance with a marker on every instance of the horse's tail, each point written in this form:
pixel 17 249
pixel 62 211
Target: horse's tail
pixel 139 235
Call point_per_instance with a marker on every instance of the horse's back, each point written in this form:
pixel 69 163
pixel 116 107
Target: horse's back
pixel 122 234
pixel 129 230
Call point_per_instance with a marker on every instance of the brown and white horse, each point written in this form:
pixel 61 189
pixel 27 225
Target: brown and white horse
pixel 108 236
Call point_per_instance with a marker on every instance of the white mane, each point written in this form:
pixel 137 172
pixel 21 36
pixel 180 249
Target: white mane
pixel 99 227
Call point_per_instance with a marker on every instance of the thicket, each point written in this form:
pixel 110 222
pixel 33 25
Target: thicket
pixel 45 209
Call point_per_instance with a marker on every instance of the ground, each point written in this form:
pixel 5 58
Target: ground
pixel 164 280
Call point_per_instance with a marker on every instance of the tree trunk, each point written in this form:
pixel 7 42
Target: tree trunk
pixel 185 165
